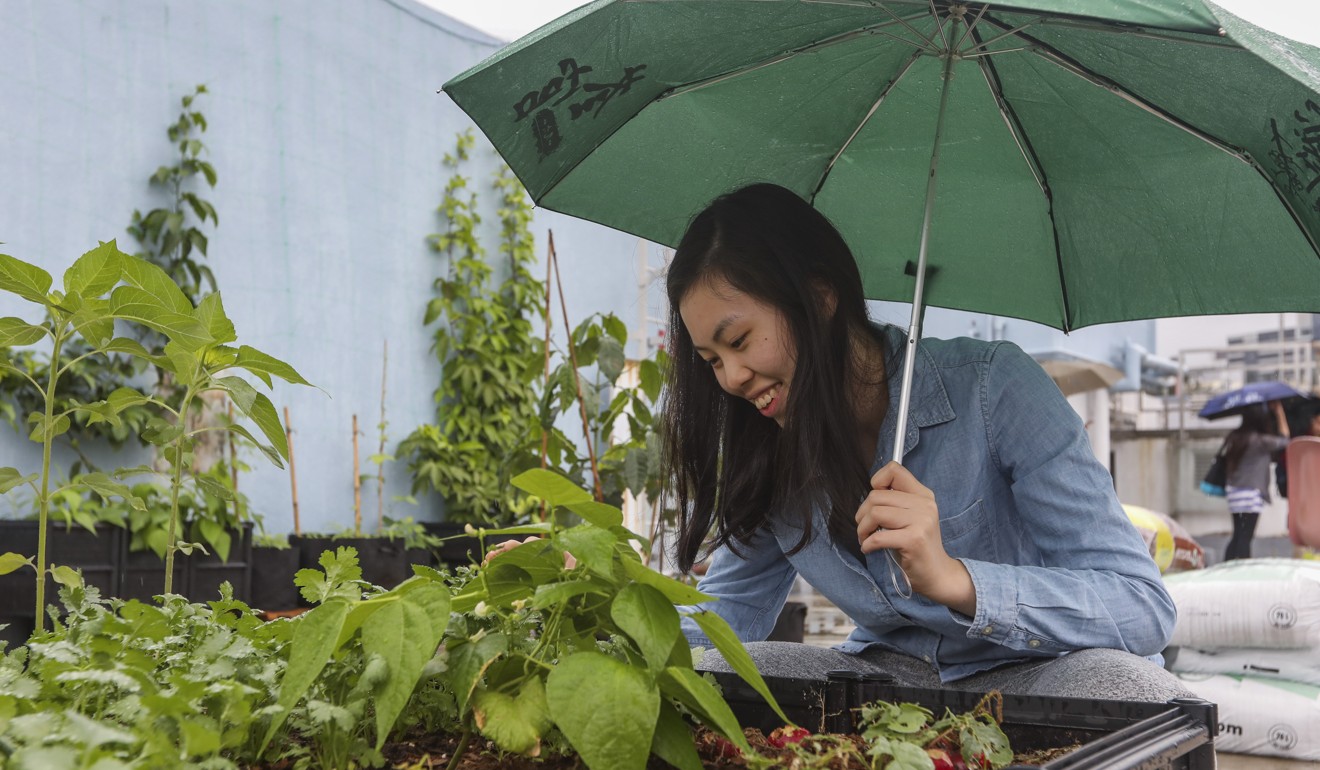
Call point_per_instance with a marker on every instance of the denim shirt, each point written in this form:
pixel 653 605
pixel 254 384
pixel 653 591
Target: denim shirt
pixel 1023 503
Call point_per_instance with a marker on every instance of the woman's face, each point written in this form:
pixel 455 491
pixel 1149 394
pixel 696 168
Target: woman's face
pixel 745 341
pixel 1315 424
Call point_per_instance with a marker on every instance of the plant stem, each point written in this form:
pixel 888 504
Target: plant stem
pixel 43 499
pixel 380 452
pixel 357 484
pixel 172 539
pixel 461 748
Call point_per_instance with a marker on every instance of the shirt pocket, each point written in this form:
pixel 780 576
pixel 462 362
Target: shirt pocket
pixel 959 531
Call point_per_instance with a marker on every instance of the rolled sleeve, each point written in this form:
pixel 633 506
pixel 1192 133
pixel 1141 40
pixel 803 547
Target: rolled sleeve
pixel 1096 585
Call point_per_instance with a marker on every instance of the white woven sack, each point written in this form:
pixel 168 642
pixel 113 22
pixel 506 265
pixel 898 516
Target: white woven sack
pixel 1269 718
pixel 1292 665
pixel 1272 603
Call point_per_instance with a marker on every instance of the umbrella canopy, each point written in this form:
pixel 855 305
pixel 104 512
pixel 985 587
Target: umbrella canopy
pixel 1235 401
pixel 1100 161
pixel 1081 376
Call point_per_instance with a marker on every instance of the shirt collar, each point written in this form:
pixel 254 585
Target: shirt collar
pixel 929 403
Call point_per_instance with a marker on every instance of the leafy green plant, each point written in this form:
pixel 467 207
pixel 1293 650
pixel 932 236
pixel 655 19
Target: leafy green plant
pixel 197 355
pixel 486 399
pixel 168 236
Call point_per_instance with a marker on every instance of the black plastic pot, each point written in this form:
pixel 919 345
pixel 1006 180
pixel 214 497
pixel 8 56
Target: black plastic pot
pixel 273 570
pixel 459 548
pixel 96 556
pixel 1122 735
pixel 197 576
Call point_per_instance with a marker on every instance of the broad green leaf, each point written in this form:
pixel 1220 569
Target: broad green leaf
pixel 12 561
pixel 468 661
pixel 161 290
pixel 673 590
pixel 214 488
pixel 648 619
pixel 673 740
pixel 600 514
pixel 550 487
pixel 548 595
pixel 134 304
pixel 610 359
pixel 41 429
pixel 689 688
pixel 313 643
pixel 263 413
pixel 615 328
pixel 405 633
pixel 15 332
pixel 11 477
pixel 159 432
pixel 240 390
pixel 105 486
pixel 211 315
pixel 98 412
pixel 591 546
pixel 94 322
pixel 727 642
pixel 128 346
pixel 606 709
pixel 264 366
pixel 199 738
pixel 539 528
pixel 123 398
pixel 66 576
pixel 95 272
pixel 269 452
pixel 185 363
pixel 27 281
pixel 514 722
pixel 651 379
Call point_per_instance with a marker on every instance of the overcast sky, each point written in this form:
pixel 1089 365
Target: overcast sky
pixel 1298 19
pixel 510 19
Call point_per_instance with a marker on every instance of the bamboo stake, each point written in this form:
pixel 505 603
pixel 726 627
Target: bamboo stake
pixel 545 430
pixel 380 455
pixel 293 474
pixel 357 484
pixel 233 463
pixel 577 380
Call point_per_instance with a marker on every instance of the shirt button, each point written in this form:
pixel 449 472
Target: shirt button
pixel 988 630
pixel 926 658
pixel 1033 643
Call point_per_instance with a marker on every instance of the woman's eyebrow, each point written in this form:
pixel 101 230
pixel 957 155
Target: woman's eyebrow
pixel 723 326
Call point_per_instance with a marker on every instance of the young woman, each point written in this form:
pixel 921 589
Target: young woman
pixel 1248 450
pixel 1025 575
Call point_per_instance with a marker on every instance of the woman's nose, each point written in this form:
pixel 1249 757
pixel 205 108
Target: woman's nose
pixel 736 376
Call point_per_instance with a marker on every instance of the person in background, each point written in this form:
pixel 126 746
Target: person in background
pixel 1248 451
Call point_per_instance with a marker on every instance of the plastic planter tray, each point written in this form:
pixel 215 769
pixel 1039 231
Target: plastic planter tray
pixel 1122 735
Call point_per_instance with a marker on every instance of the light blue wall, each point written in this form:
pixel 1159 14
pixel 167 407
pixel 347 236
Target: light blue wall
pixel 327 132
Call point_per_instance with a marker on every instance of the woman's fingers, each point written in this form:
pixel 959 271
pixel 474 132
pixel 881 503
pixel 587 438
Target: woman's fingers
pixel 509 545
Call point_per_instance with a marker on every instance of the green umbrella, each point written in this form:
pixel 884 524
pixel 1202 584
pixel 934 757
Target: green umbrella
pixel 1069 162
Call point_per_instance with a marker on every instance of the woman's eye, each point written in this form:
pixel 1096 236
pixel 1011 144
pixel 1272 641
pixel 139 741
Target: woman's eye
pixel 713 361
pixel 738 343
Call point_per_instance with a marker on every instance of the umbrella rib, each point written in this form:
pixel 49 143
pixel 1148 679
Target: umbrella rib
pixel 967 32
pixel 930 41
pixel 842 149
pixel 1019 134
pixel 877 29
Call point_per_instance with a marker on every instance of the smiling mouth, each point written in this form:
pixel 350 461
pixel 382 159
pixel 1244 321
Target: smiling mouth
pixel 765 399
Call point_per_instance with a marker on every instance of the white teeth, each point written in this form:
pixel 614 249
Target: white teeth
pixel 764 399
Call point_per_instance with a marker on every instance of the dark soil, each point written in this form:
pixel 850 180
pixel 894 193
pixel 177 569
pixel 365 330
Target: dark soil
pixel 433 752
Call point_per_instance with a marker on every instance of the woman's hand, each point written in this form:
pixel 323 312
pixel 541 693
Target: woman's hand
pixel 1281 418
pixel 509 545
pixel 900 514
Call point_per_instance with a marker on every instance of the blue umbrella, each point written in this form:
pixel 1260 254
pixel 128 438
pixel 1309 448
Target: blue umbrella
pixel 1235 401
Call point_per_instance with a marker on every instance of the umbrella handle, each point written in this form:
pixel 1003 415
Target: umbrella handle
pixel 893 578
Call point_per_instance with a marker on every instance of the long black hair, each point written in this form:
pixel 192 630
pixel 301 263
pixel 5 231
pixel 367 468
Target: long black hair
pixel 1256 418
pixel 730 466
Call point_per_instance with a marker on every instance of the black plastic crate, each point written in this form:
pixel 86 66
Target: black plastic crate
pixel 1122 735
pixel 459 547
pixel 273 570
pixel 96 556
pixel 197 576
